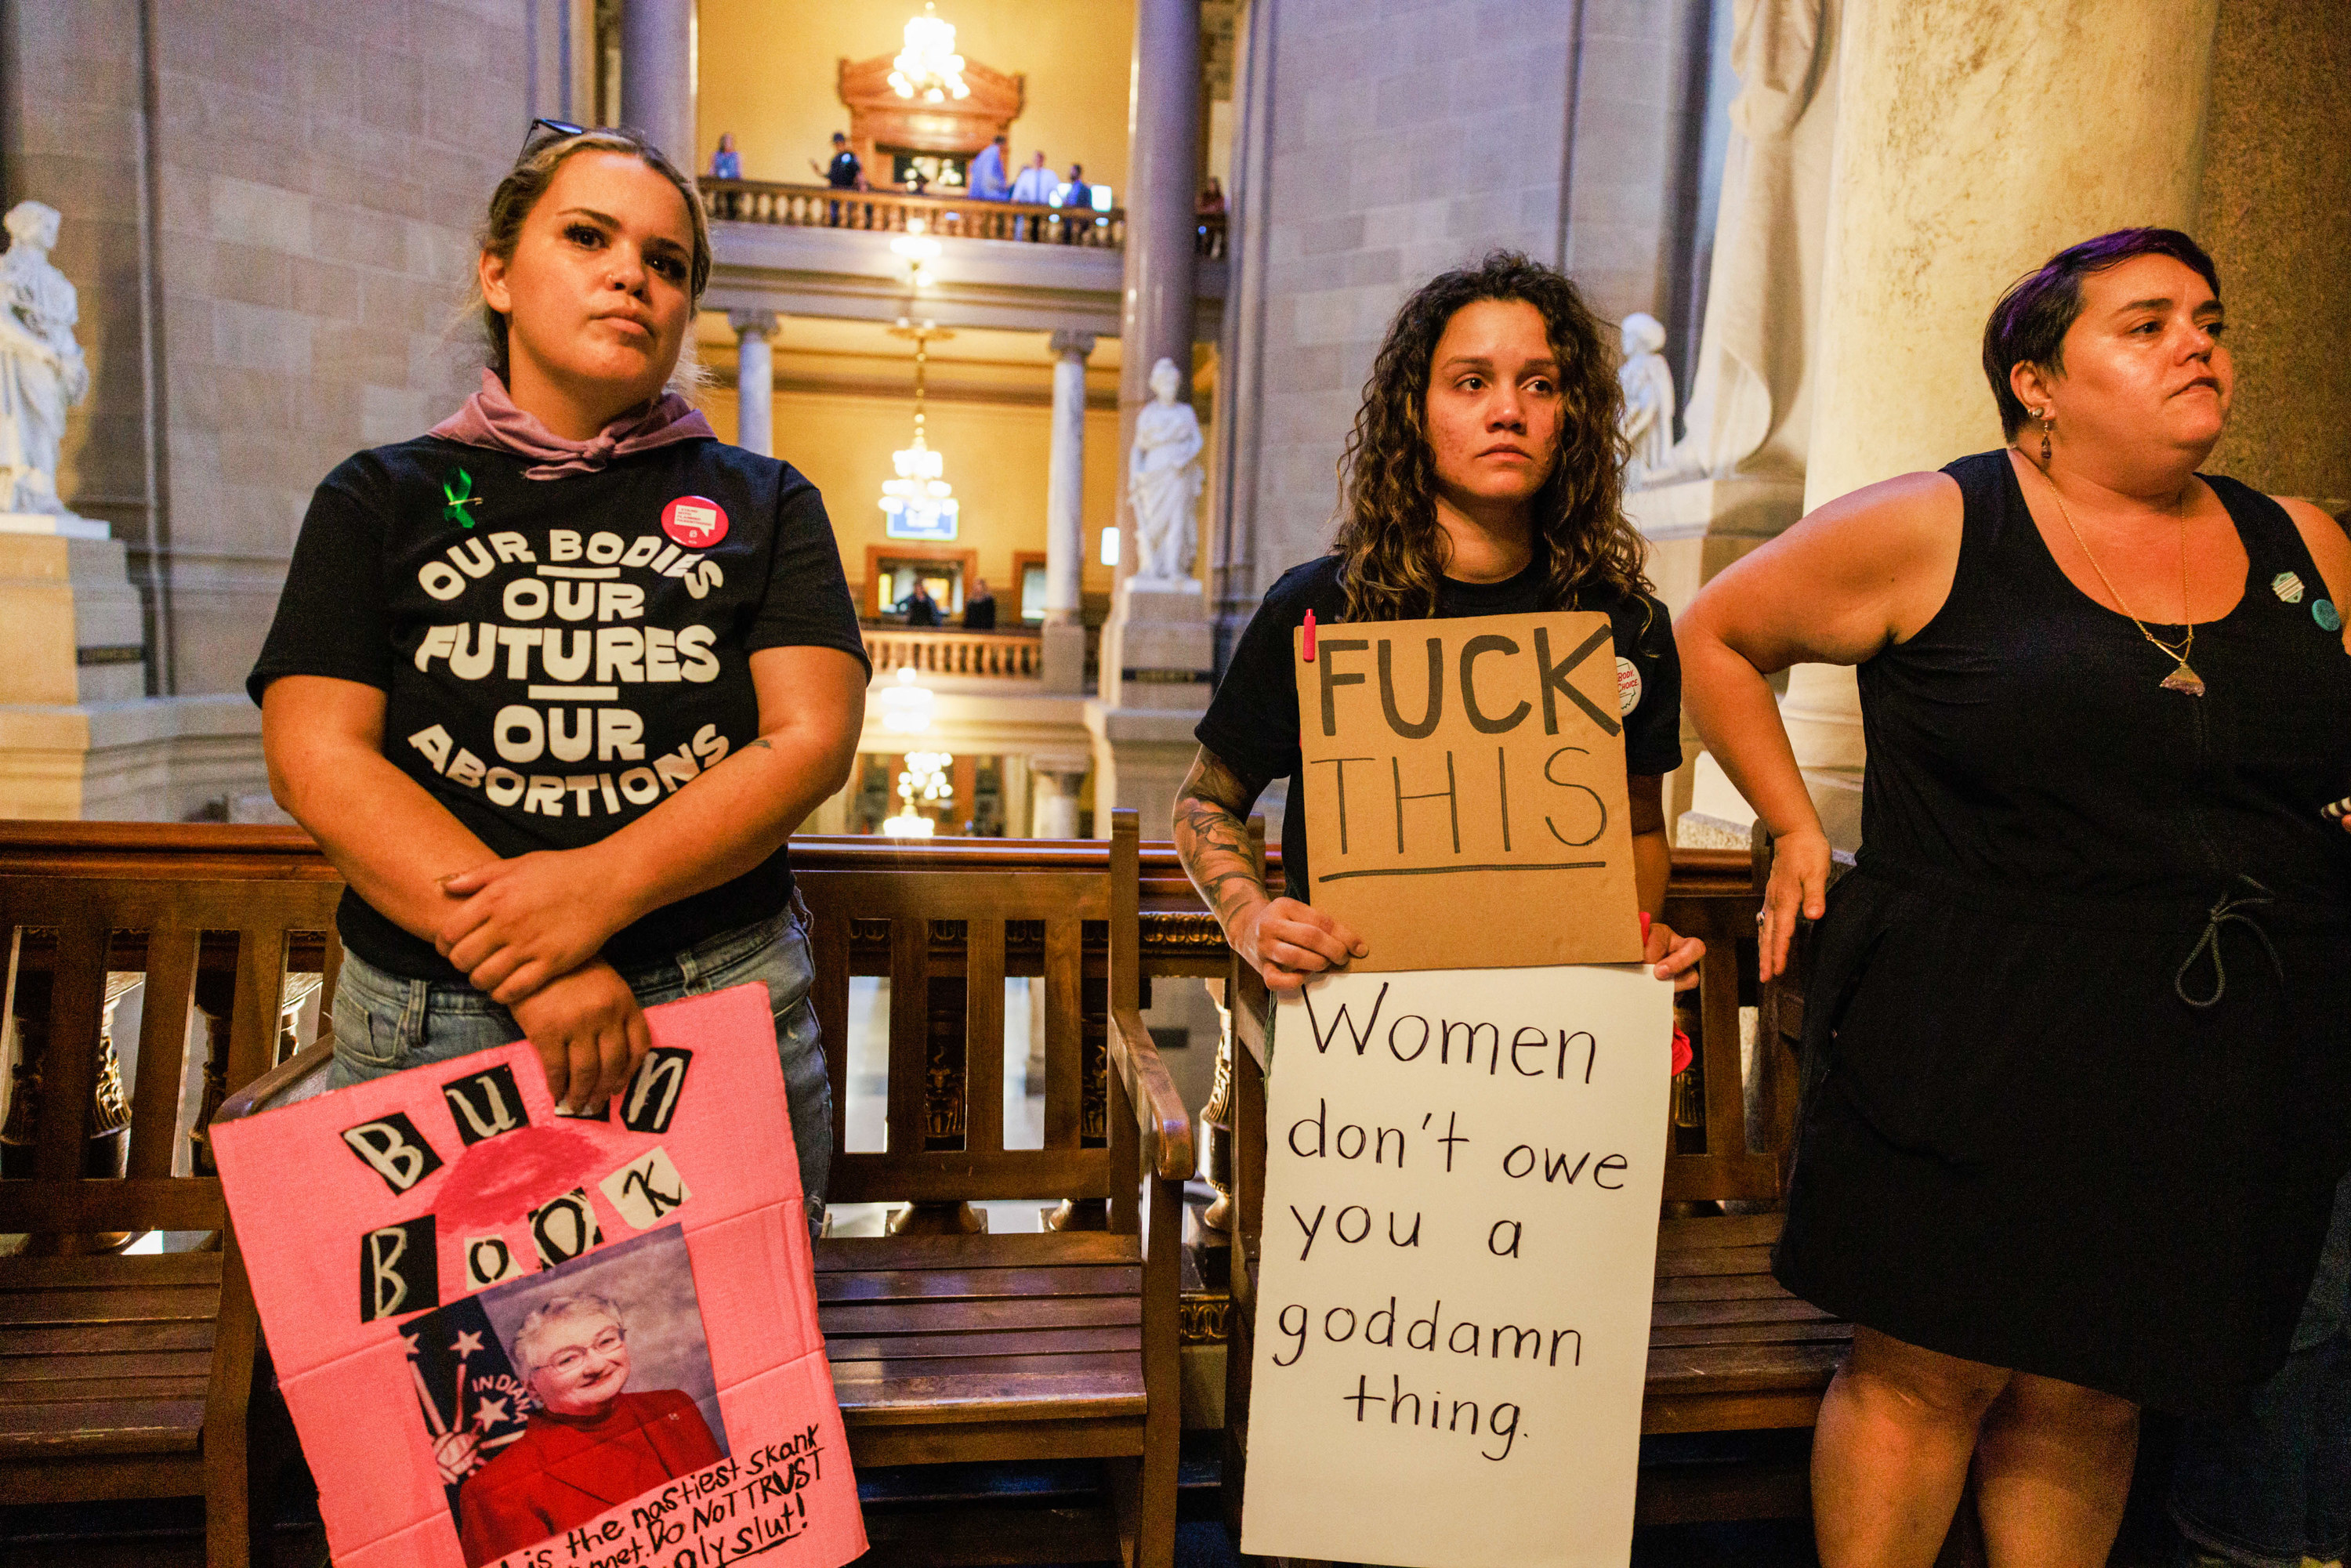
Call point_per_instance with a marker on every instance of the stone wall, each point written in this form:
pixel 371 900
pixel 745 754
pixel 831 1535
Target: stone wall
pixel 316 168
pixel 71 122
pixel 321 167
pixel 1382 143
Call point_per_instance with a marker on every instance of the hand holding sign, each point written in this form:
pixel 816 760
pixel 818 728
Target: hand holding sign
pixel 1290 943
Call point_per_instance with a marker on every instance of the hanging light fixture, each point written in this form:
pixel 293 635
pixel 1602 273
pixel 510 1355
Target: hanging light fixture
pixel 923 782
pixel 928 67
pixel 919 504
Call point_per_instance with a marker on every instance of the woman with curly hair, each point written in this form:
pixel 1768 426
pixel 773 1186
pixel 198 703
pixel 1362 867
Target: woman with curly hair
pixel 1482 478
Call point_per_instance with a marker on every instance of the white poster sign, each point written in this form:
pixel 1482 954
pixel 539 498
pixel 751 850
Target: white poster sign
pixel 1462 1180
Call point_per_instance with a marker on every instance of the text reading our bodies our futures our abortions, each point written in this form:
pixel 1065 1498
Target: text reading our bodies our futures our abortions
pixel 1453 768
pixel 1463 1174
pixel 573 631
pixel 455 1197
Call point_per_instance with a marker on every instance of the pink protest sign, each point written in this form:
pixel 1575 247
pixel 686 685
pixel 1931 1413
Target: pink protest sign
pixel 510 1337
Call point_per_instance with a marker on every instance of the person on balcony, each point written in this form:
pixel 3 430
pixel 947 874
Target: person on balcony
pixel 1483 478
pixel 1033 186
pixel 987 175
pixel 843 173
pixel 919 608
pixel 979 608
pixel 1077 206
pixel 553 684
pixel 726 163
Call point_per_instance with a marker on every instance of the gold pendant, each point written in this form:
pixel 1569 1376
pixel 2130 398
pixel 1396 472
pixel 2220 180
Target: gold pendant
pixel 2184 679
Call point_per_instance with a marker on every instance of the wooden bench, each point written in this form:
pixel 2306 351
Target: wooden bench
pixel 1730 1350
pixel 953 1345
pixel 949 1343
pixel 141 1376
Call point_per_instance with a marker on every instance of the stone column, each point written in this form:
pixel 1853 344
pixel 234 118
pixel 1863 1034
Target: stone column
pixel 1966 156
pixel 754 381
pixel 1163 162
pixel 1157 649
pixel 1064 647
pixel 2269 215
pixel 657 76
pixel 1054 786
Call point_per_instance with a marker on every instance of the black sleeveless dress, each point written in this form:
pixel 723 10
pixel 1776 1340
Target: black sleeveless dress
pixel 2023 1141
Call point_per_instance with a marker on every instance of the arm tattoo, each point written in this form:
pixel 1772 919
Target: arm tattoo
pixel 1212 835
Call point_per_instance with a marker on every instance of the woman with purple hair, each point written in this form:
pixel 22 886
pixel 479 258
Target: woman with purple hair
pixel 2075 1102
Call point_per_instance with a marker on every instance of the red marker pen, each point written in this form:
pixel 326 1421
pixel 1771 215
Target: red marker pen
pixel 1307 652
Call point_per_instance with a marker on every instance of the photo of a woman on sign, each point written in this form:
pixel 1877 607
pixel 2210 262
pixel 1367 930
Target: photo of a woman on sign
pixel 588 1448
pixel 1483 478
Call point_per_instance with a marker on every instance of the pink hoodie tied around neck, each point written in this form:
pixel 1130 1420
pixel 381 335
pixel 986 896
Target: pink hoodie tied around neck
pixel 489 418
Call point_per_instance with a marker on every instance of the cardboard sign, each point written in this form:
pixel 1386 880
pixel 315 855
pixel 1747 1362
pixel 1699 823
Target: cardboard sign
pixel 510 1337
pixel 1460 771
pixel 1462 1178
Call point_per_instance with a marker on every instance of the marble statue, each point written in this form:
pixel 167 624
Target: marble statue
pixel 1163 480
pixel 41 369
pixel 1648 418
pixel 1749 409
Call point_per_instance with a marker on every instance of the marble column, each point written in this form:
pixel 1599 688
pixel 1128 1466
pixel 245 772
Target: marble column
pixel 1163 163
pixel 1157 648
pixel 754 381
pixel 1967 155
pixel 657 76
pixel 1054 785
pixel 1064 649
pixel 2270 213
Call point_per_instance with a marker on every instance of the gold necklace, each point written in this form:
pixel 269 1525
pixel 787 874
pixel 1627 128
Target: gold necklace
pixel 2182 679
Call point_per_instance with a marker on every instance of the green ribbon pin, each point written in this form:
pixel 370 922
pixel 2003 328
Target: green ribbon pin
pixel 457 491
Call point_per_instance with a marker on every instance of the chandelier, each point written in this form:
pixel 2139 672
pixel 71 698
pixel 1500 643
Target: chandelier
pixel 923 782
pixel 919 504
pixel 928 67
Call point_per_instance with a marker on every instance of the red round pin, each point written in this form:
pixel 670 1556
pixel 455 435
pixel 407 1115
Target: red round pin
pixel 695 521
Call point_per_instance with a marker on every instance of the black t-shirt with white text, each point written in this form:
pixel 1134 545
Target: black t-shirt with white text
pixel 560 655
pixel 1252 722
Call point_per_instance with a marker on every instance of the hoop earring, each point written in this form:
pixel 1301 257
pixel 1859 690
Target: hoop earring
pixel 2047 424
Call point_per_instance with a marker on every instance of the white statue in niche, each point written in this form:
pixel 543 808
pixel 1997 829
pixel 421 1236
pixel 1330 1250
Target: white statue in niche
pixel 41 369
pixel 1648 418
pixel 1163 483
pixel 1750 412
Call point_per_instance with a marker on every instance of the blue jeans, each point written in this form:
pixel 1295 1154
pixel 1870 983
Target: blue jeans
pixel 387 1023
pixel 2274 1485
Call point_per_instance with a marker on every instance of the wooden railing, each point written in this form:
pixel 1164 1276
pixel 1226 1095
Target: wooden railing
pixel 949 217
pixel 995 655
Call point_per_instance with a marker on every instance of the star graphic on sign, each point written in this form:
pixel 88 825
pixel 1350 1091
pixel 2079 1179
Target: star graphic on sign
pixel 468 1343
pixel 489 1412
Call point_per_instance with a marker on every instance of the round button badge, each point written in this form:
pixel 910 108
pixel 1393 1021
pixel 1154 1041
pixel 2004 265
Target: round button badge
pixel 695 521
pixel 1628 686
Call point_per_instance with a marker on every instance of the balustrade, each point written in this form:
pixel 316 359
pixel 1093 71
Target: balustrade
pixel 991 655
pixel 948 217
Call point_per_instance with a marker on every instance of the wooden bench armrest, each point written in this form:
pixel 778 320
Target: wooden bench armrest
pixel 1158 1110
pixel 259 1094
pixel 1251 1006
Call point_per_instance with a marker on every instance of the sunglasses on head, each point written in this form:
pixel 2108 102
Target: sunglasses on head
pixel 556 129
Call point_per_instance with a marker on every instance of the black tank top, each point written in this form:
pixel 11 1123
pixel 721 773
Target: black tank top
pixel 2021 743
